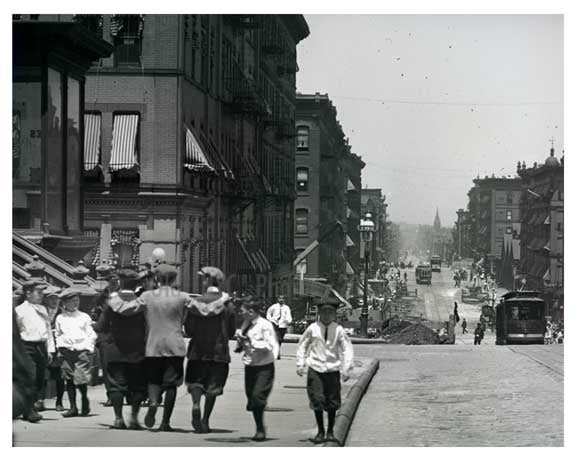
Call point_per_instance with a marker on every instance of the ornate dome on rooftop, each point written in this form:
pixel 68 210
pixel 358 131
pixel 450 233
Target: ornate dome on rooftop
pixel 552 161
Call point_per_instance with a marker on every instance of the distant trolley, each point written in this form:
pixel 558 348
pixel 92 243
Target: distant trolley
pixel 436 263
pixel 520 318
pixel 423 275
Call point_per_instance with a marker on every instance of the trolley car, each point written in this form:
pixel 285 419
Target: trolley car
pixel 520 318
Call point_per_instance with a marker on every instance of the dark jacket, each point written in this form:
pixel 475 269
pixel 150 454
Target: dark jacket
pixel 210 324
pixel 123 338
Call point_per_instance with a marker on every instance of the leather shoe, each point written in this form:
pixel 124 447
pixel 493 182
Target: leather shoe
pixel 71 413
pixel 33 417
pixel 119 424
pixel 260 436
pixel 320 438
pixel 85 408
pixel 330 438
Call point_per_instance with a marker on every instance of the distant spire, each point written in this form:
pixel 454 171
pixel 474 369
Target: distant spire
pixel 437 224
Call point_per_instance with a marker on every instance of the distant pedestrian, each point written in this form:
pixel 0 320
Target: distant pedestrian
pixel 75 340
pixel 260 346
pixel 456 316
pixel 210 325
pixel 464 325
pixel 280 316
pixel 456 279
pixel 478 334
pixel 326 350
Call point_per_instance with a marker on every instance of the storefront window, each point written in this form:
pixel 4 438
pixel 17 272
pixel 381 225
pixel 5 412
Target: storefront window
pixel 54 154
pixel 26 153
pixel 74 157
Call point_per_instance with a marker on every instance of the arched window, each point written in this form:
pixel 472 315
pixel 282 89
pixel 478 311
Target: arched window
pixel 302 221
pixel 302 138
pixel 302 179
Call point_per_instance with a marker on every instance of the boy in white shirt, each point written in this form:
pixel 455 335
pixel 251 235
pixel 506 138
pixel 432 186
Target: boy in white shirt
pixel 257 339
pixel 75 340
pixel 326 350
pixel 280 316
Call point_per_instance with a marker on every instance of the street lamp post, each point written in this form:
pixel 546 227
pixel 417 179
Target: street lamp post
pixel 366 229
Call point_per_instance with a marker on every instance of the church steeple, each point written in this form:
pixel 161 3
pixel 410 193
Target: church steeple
pixel 437 224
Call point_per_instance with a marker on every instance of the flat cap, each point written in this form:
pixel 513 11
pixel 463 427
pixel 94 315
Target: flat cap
pixel 51 290
pixel 29 284
pixel 69 292
pixel 127 274
pixel 165 270
pixel 211 271
pixel 330 300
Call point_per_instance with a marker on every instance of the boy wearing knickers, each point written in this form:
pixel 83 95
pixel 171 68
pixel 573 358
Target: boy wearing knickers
pixel 326 350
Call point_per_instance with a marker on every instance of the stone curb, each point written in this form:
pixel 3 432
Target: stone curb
pixel 294 340
pixel 345 415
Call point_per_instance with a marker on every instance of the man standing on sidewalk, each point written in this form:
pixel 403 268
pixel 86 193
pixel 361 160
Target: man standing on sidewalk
pixel 35 330
pixel 165 309
pixel 280 316
pixel 210 324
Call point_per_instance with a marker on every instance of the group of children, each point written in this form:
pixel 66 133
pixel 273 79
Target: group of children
pixel 145 350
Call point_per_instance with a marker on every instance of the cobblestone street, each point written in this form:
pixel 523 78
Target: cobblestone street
pixel 462 395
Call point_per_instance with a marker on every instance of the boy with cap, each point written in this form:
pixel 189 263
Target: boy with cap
pixel 35 331
pixel 52 304
pixel 326 350
pixel 210 324
pixel 258 340
pixel 165 309
pixel 124 347
pixel 75 340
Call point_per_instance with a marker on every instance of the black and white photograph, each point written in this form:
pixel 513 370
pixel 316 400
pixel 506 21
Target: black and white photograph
pixel 244 227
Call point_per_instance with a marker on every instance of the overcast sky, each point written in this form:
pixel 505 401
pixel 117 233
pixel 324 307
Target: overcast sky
pixel 430 101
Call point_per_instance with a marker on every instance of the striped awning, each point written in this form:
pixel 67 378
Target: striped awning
pixel 92 131
pixel 124 154
pixel 195 159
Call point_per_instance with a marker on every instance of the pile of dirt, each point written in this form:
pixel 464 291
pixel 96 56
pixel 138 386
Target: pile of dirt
pixel 415 334
pixel 396 326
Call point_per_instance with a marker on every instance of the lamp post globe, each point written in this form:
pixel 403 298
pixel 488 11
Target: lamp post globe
pixel 366 228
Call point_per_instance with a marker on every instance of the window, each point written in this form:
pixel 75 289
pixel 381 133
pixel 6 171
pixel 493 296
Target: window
pixel 302 139
pixel 127 33
pixel 301 221
pixel 302 179
pixel 125 140
pixel 508 215
pixel 509 230
pixel 509 198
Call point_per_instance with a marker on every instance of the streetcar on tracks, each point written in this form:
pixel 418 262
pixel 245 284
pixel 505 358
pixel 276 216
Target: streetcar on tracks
pixel 436 263
pixel 520 318
pixel 423 275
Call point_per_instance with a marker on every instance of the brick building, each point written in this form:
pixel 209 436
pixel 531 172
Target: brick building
pixel 494 213
pixel 191 144
pixel 373 201
pixel 542 235
pixel 325 171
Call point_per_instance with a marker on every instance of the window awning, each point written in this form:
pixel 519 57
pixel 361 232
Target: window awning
pixel 547 220
pixel 92 130
pixel 350 186
pixel 349 241
pixel 216 160
pixel 124 155
pixel 195 159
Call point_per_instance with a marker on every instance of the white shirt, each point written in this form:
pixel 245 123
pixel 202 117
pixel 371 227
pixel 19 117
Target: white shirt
pixel 33 322
pixel 73 330
pixel 260 343
pixel 325 355
pixel 279 315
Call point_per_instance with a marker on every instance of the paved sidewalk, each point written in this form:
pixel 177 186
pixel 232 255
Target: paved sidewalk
pixel 289 420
